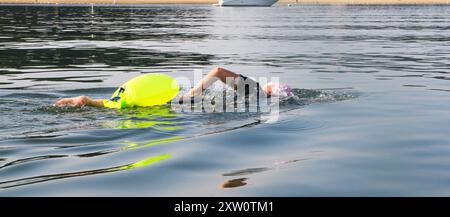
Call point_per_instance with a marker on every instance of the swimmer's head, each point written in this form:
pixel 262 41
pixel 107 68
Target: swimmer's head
pixel 278 89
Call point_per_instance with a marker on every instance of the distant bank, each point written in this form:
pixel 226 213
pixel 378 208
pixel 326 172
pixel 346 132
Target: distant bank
pixel 215 1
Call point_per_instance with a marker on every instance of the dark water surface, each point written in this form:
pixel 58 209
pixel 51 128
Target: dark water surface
pixel 372 118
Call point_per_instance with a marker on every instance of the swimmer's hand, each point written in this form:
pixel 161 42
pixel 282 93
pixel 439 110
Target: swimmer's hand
pixel 80 101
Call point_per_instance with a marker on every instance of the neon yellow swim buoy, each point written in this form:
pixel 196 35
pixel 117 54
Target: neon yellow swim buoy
pixel 143 91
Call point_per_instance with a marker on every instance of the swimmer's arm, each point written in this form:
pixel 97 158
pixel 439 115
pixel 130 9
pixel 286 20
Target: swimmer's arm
pixel 218 73
pixel 80 101
pixel 95 102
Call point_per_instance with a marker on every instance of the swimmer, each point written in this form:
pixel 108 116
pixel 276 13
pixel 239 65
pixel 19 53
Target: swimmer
pixel 214 75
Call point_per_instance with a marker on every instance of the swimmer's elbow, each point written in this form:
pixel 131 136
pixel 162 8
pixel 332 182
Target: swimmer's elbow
pixel 86 101
pixel 83 100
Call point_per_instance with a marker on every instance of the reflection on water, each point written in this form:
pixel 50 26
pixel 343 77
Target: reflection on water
pixel 156 117
pixel 238 182
pixel 245 171
pixel 128 146
pixel 44 178
pixel 133 145
pixel 233 183
pixel 371 85
pixel 62 58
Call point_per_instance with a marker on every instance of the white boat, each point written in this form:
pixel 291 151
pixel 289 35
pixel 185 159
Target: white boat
pixel 246 3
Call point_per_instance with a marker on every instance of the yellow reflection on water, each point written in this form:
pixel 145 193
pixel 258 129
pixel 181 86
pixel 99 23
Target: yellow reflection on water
pixel 158 117
pixel 134 145
pixel 44 178
pixel 139 124
pixel 145 162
